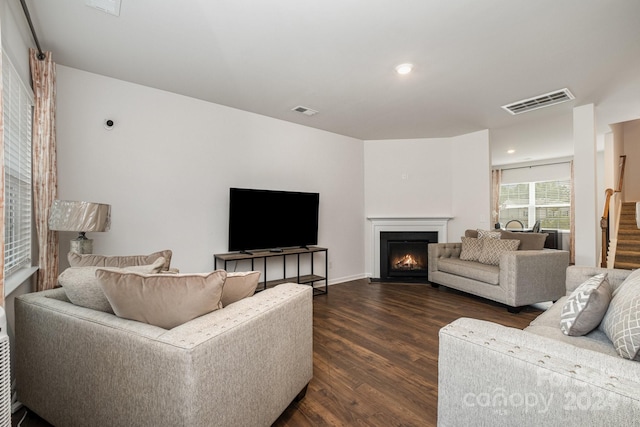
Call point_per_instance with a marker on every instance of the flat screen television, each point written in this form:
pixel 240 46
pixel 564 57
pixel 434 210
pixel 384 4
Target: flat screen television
pixel 268 219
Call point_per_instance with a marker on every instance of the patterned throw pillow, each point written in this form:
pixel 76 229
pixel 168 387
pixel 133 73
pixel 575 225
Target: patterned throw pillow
pixel 586 306
pixel 492 248
pixel 621 323
pixel 471 249
pixel 488 234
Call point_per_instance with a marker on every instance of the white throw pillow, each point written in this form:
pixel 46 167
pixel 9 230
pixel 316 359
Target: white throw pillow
pixel 621 323
pixel 586 306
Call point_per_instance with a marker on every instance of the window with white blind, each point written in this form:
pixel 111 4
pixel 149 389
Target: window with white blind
pixel 547 201
pixel 18 110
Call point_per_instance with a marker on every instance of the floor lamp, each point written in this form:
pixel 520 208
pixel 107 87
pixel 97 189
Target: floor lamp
pixel 82 217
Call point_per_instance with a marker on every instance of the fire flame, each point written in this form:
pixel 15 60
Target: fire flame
pixel 407 261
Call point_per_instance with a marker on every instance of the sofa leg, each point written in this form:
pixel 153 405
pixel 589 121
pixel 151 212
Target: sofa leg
pixel 302 393
pixel 514 310
pixel 434 285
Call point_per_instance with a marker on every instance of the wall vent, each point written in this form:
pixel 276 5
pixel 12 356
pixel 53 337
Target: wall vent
pixel 540 101
pixel 304 110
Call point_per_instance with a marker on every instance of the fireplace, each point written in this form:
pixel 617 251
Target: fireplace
pixel 403 254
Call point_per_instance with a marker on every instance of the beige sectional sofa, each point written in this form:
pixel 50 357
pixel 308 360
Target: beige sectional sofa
pixel 521 277
pixel 489 374
pixel 241 365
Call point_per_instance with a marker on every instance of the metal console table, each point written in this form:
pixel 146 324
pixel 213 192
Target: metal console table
pixel 309 279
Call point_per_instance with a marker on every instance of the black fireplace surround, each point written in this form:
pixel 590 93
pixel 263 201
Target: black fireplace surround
pixel 403 255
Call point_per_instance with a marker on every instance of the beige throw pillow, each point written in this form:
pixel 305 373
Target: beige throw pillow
pixel 85 260
pixel 471 249
pixel 586 306
pixel 493 248
pixel 239 285
pixel 528 241
pixel 164 300
pixel 621 323
pixel 82 288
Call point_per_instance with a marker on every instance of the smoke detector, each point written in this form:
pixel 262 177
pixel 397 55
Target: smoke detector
pixel 304 110
pixel 112 7
pixel 540 101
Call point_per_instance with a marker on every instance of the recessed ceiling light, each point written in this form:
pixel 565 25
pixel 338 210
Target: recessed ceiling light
pixel 404 68
pixel 511 151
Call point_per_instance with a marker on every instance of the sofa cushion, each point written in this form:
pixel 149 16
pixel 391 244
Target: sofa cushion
pixel 84 260
pixel 528 241
pixel 82 288
pixel 584 309
pixel 489 274
pixel 164 300
pixel 621 323
pixel 471 249
pixel 471 233
pixel 493 248
pixel 239 285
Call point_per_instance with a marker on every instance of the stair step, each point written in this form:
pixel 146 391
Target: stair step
pixel 628 245
pixel 626 265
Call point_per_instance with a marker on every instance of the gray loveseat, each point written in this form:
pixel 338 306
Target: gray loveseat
pixel 238 366
pixel 489 374
pixel 523 276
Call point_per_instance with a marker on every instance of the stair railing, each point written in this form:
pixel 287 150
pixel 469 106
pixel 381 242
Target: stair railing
pixel 604 221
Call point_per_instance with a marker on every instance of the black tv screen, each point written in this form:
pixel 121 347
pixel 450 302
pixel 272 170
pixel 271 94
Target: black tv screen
pixel 268 219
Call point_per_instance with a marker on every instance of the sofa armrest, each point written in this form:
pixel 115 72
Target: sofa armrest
pixel 529 277
pixel 578 274
pixel 496 375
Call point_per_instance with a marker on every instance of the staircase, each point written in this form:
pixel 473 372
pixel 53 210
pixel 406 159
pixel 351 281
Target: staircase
pixel 628 247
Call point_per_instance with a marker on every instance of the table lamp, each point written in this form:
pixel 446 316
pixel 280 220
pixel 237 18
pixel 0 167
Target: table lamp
pixel 83 217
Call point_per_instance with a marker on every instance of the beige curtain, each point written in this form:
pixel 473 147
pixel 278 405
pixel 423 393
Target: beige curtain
pixel 45 169
pixel 1 190
pixel 572 221
pixel 496 180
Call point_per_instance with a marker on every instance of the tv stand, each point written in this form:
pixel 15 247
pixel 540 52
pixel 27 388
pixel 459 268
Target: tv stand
pixel 309 279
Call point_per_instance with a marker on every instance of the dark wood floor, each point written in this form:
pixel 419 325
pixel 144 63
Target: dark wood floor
pixel 376 354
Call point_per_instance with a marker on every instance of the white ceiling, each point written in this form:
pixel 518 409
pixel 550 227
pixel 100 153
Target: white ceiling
pixel 338 57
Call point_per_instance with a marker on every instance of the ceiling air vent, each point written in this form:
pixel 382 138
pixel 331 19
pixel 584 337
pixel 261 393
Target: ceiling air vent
pixel 304 110
pixel 540 101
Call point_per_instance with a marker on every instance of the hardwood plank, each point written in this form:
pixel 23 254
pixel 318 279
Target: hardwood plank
pixel 376 352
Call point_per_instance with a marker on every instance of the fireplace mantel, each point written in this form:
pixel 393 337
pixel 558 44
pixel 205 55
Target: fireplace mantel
pixel 380 224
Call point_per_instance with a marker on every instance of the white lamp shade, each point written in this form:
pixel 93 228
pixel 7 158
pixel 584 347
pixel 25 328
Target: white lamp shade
pixel 67 215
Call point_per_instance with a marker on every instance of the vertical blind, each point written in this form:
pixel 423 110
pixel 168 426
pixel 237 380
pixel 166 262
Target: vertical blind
pixel 18 111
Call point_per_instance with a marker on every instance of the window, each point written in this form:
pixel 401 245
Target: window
pixel 17 110
pixel 528 202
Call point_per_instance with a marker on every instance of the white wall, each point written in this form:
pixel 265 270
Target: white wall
pixel 584 173
pixel 471 185
pixel 435 177
pixel 167 165
pixel 631 184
